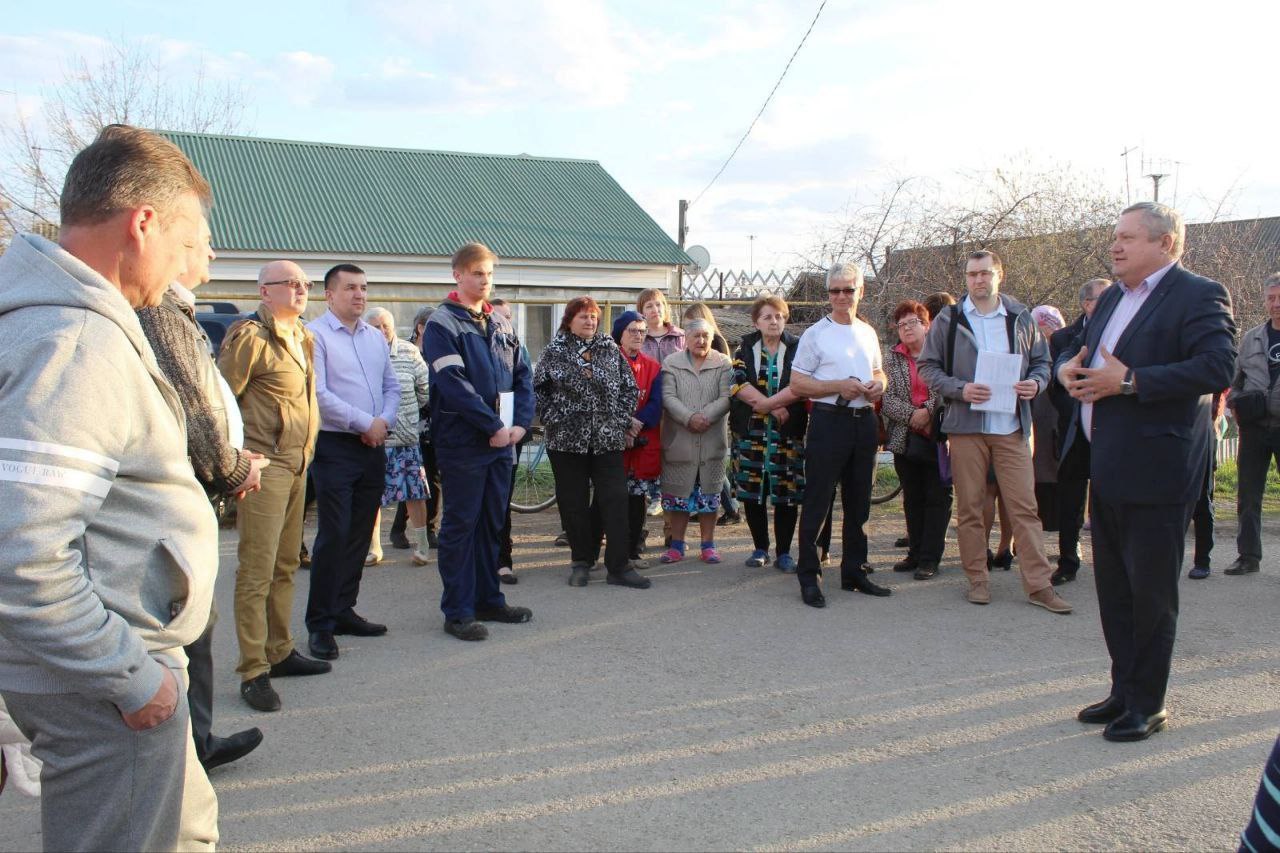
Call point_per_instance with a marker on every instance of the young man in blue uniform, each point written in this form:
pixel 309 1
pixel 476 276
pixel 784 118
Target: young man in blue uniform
pixel 474 358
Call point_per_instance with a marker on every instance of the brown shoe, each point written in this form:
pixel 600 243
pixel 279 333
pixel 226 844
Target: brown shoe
pixel 979 592
pixel 1049 600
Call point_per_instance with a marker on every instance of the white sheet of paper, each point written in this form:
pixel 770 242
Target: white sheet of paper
pixel 998 371
pixel 507 408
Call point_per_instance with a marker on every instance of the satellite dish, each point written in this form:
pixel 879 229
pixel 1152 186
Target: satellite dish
pixel 701 259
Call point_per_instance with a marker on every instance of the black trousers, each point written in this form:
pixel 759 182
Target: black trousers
pixel 784 523
pixel 1259 448
pixel 840 448
pixel 576 474
pixel 1073 487
pixel 926 503
pixel 1137 558
pixel 433 500
pixel 1202 518
pixel 348 477
pixel 200 686
pixel 637 506
pixel 505 543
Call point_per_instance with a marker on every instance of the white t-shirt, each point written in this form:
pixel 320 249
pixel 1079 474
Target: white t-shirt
pixel 829 350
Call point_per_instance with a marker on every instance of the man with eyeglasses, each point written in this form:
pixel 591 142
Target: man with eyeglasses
pixel 989 321
pixel 838 366
pixel 359 396
pixel 1073 468
pixel 267 362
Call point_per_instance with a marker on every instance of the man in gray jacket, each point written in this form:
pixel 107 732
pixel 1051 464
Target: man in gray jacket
pixel 981 440
pixel 1257 368
pixel 110 545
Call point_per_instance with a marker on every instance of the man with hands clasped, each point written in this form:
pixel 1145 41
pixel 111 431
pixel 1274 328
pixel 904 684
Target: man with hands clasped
pixel 1142 374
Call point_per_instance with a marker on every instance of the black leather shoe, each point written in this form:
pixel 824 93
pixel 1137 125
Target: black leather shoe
pixel 399 540
pixel 579 573
pixel 505 613
pixel 323 645
pixel 259 695
pixel 906 564
pixel 466 629
pixel 224 750
pixel 1134 726
pixel 432 541
pixel 1062 576
pixel 562 541
pixel 630 578
pixel 355 625
pixel 925 571
pixel 728 518
pixel 1003 560
pixel 813 596
pixel 1102 712
pixel 296 664
pixel 865 586
pixel 1242 566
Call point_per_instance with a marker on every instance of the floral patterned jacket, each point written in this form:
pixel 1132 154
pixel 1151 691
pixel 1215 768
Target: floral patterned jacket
pixel 586 394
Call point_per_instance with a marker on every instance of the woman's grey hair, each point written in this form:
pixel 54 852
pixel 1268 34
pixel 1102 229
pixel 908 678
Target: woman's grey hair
pixel 844 272
pixel 697 324
pixel 379 312
pixel 1270 281
pixel 1161 220
pixel 1086 289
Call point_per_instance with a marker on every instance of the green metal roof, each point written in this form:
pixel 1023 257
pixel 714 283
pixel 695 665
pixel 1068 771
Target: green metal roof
pixel 283 196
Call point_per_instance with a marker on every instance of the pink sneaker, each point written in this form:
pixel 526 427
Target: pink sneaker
pixel 671 555
pixel 710 555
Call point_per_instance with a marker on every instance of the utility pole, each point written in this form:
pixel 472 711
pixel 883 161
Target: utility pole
pixel 1128 199
pixel 1156 178
pixel 751 254
pixel 682 230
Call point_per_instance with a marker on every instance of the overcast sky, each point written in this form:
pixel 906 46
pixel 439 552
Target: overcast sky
pixel 660 91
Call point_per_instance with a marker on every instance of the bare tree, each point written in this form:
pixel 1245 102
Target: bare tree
pixel 131 84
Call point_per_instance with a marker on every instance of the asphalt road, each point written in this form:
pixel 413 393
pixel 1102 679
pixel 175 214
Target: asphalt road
pixel 714 711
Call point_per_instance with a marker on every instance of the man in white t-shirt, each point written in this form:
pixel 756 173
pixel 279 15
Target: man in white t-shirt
pixel 837 365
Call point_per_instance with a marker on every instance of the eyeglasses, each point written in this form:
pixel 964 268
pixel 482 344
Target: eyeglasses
pixel 842 291
pixel 296 284
pixel 909 323
pixel 637 330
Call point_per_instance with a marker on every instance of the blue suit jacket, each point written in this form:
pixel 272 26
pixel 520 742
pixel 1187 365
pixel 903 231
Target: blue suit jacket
pixel 1151 447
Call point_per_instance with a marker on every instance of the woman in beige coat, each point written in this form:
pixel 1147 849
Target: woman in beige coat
pixel 695 401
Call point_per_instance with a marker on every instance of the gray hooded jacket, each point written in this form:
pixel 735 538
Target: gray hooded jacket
pixel 108 546
pixel 1027 341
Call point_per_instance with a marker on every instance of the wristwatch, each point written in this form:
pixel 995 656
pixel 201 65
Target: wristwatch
pixel 1126 384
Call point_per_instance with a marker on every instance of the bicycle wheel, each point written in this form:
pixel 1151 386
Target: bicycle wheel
pixel 535 486
pixel 885 486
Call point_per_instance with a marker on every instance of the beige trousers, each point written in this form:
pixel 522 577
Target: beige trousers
pixel 1010 455
pixel 270 525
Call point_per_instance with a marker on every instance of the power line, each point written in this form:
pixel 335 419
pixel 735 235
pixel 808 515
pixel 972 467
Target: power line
pixel 763 106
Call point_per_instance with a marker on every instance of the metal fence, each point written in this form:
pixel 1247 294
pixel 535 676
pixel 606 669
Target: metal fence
pixel 728 284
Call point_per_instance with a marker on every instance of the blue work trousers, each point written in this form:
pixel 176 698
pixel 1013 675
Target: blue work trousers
pixel 477 488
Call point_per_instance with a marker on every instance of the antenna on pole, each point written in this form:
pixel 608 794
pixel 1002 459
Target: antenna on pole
pixel 1125 154
pixel 1156 177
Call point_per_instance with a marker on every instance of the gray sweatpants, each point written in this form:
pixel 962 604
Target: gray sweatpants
pixel 106 787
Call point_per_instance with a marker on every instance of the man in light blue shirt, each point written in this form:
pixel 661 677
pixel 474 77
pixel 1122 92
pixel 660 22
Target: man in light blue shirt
pixel 988 321
pixel 358 394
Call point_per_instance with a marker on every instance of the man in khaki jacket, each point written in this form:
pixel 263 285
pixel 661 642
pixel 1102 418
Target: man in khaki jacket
pixel 267 361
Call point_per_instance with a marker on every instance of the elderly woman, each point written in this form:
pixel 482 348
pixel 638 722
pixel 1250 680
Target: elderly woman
pixel 1044 426
pixel 662 337
pixel 695 400
pixel 586 396
pixel 701 311
pixel 398 539
pixel 405 478
pixel 767 422
pixel 909 407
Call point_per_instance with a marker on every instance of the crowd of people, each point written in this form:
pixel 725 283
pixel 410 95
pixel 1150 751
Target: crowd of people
pixel 982 402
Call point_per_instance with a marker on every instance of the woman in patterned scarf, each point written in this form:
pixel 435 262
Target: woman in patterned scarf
pixel 586 394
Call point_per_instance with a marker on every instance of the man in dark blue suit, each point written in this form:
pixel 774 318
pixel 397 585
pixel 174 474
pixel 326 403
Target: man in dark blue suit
pixel 1142 373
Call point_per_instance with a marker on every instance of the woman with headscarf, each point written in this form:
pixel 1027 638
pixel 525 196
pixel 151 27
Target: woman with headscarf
pixel 1044 426
pixel 586 396
pixel 695 402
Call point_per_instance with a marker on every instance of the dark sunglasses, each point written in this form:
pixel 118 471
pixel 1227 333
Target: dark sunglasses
pixel 845 291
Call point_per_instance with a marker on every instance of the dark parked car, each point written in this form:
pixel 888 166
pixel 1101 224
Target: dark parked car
pixel 215 318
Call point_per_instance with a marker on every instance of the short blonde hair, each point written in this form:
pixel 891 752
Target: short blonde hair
pixel 125 168
pixel 651 294
pixel 472 253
